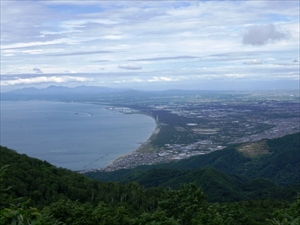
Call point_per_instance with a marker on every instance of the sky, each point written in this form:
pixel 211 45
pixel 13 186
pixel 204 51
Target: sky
pixel 150 45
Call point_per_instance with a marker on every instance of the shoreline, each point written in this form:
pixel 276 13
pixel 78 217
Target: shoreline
pixel 136 143
pixel 137 151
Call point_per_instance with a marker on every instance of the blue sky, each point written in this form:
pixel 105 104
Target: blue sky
pixel 150 44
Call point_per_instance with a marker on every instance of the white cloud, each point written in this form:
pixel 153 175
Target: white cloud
pixel 234 75
pixel 133 80
pixel 130 66
pixel 113 37
pixel 254 62
pixel 161 79
pixel 34 44
pixel 44 79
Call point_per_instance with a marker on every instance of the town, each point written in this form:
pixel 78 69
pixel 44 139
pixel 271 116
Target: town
pixel 194 123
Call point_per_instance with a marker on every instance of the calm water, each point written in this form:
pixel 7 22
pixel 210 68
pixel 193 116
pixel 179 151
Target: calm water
pixel 71 135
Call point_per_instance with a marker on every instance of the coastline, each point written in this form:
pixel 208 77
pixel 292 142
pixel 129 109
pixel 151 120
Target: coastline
pixel 135 137
pixel 139 152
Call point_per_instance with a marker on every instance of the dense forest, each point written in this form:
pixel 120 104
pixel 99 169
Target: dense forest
pixel 224 187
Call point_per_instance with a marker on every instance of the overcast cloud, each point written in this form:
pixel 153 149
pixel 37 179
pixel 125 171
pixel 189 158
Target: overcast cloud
pixel 137 44
pixel 262 34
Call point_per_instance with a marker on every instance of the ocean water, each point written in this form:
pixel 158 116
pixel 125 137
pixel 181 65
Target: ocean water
pixel 76 136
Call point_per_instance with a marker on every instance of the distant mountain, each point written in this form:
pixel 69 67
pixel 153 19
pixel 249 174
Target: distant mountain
pixel 59 93
pixel 66 90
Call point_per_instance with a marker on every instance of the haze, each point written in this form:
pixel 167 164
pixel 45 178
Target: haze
pixel 150 44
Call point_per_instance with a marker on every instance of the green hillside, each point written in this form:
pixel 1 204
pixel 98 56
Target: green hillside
pixel 44 183
pixel 280 164
pixel 35 192
pixel 219 187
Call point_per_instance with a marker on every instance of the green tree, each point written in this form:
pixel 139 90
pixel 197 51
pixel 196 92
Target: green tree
pixel 3 189
pixel 288 216
pixel 157 218
pixel 222 214
pixel 71 212
pixel 104 214
pixel 183 204
pixel 20 213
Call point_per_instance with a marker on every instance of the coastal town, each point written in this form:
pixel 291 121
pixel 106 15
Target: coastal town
pixel 190 123
pixel 171 153
pixel 193 125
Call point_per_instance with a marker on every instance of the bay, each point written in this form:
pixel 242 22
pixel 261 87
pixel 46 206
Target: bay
pixel 76 136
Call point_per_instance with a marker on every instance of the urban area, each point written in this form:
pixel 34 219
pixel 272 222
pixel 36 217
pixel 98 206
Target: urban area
pixel 190 124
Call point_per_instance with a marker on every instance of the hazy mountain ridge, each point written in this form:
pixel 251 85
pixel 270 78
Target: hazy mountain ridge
pixel 127 96
pixel 60 93
pixel 53 89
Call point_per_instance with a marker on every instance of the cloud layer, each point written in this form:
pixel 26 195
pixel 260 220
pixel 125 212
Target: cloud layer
pixel 140 43
pixel 44 79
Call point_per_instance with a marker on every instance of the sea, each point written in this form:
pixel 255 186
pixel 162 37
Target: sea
pixel 76 136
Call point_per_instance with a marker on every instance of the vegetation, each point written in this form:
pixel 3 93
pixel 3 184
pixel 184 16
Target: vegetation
pixel 35 192
pixel 280 166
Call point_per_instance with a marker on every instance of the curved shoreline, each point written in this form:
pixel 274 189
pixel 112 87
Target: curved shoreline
pixel 137 130
pixel 137 152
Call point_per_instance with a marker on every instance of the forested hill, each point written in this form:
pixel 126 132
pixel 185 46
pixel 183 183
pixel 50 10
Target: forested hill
pixel 44 183
pixel 50 195
pixel 276 160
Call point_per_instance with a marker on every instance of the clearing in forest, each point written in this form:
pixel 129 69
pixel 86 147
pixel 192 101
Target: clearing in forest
pixel 254 149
